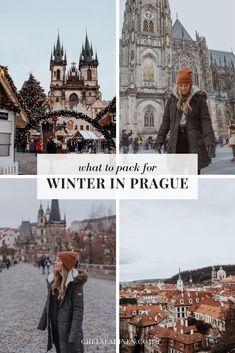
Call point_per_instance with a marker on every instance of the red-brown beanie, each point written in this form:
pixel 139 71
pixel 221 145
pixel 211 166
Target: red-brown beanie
pixel 185 76
pixel 69 259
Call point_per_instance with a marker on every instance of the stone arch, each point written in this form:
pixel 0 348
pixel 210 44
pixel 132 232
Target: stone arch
pixel 149 116
pixel 73 100
pixel 53 115
pixel 149 68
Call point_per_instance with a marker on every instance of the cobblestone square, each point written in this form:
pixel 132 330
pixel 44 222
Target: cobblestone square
pixel 23 294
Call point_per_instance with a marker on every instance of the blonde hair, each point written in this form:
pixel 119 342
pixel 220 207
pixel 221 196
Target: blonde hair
pixel 183 101
pixel 59 281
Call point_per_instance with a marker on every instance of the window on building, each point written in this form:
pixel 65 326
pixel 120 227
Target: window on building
pixel 151 26
pixel 73 100
pixel 87 127
pixel 58 74
pixel 149 118
pixel 148 26
pixel 148 69
pixel 41 231
pixel 89 75
pixel 81 127
pixel 5 142
pixel 75 127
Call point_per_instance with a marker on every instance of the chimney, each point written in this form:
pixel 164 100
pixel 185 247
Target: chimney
pixel 222 304
pixel 191 332
pixel 186 322
pixel 182 331
pixel 182 322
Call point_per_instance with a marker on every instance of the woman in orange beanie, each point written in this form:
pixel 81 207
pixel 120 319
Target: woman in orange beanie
pixel 63 311
pixel 187 119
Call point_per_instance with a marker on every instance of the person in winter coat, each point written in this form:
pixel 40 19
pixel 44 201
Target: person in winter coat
pixel 232 138
pixel 51 146
pixel 125 141
pixel 187 119
pixel 38 147
pixel 63 311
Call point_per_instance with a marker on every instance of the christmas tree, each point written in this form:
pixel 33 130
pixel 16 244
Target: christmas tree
pixel 34 97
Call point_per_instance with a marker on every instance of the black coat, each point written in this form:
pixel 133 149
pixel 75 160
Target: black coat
pixel 51 147
pixel 198 126
pixel 70 314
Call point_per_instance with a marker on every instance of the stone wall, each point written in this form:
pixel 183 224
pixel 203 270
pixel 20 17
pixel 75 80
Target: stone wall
pixel 100 271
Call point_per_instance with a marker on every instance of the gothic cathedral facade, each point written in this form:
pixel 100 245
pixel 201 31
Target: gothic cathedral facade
pixel 151 52
pixel 76 88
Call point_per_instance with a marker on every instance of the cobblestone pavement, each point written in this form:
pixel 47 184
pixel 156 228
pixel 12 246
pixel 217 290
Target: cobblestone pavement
pixel 27 163
pixel 22 297
pixel 221 164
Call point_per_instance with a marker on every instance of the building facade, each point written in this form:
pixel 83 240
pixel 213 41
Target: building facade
pixel 45 237
pixel 13 114
pixel 75 88
pixel 151 52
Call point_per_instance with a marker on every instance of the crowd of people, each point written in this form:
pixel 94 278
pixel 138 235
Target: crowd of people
pixel 44 265
pixel 130 144
pixel 72 145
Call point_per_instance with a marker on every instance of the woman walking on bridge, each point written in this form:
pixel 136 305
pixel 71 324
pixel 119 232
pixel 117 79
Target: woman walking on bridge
pixel 63 311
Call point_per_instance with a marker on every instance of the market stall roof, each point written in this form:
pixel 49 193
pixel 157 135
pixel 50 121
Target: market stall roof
pixel 89 135
pixel 22 117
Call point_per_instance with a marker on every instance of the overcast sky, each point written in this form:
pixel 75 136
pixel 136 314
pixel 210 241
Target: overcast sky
pixel 29 30
pixel 158 237
pixel 19 202
pixel 214 19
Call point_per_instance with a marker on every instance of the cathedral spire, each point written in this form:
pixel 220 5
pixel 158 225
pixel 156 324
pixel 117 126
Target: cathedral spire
pixel 55 211
pixel 180 283
pixel 40 211
pixel 87 54
pixel 58 56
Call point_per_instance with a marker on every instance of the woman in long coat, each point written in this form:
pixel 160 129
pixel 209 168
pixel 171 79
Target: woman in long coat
pixel 187 119
pixel 63 311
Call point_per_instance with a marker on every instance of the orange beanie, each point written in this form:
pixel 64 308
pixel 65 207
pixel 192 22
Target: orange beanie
pixel 185 76
pixel 69 258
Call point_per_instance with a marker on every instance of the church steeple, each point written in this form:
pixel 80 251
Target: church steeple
pixel 40 211
pixel 58 64
pixel 55 211
pixel 57 56
pixel 87 55
pixel 180 283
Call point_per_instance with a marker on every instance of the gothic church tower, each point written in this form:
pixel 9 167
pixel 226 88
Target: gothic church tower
pixel 145 65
